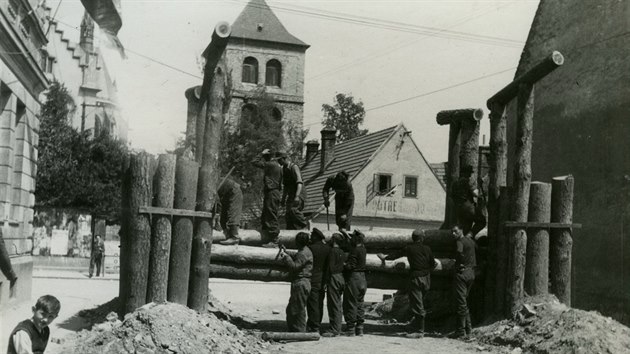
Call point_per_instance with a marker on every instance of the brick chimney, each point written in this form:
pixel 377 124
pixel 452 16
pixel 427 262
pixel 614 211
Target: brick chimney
pixel 312 146
pixel 329 137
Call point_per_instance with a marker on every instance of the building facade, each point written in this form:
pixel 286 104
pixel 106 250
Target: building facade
pixel 394 186
pixel 82 69
pixel 582 127
pixel 22 80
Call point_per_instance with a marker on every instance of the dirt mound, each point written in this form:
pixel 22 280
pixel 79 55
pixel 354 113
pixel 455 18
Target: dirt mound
pixel 164 328
pixel 547 326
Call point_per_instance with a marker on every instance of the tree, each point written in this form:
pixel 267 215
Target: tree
pixel 75 170
pixel 346 116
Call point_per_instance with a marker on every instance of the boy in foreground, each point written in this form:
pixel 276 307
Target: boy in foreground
pixel 31 336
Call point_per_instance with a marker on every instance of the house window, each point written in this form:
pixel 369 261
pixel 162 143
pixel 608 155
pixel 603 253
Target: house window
pixel 273 74
pixel 411 187
pixel 47 62
pixel 383 183
pixel 250 70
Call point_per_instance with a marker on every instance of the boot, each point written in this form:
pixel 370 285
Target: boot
pixel 417 328
pixel 230 241
pixel 468 328
pixel 460 332
pixel 359 330
pixel 273 243
pixel 350 330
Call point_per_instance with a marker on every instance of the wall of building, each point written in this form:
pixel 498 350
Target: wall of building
pixel 582 127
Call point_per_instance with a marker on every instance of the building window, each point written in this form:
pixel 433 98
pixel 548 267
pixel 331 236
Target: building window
pixel 383 183
pixel 411 187
pixel 47 62
pixel 13 8
pixel 273 76
pixel 276 113
pixel 250 70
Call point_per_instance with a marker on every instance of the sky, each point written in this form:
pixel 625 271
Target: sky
pixel 405 60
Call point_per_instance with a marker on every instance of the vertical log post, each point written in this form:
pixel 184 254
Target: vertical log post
pixel 137 232
pixel 520 201
pixel 192 96
pixel 497 174
pixel 206 191
pixel 123 282
pixel 186 179
pixel 537 265
pixel 463 147
pixel 561 242
pixel 161 233
pixel 503 213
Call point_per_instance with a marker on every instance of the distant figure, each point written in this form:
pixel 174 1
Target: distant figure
pixel 421 263
pixel 5 264
pixel 98 250
pixel 31 336
pixel 470 214
pixel 344 198
pixel 301 266
pixel 356 286
pixel 294 193
pixel 465 263
pixel 315 304
pixel 73 233
pixel 231 202
pixel 272 189
pixel 335 285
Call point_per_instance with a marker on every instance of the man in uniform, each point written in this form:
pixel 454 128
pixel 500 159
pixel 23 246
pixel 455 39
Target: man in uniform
pixel 421 263
pixel 293 194
pixel 272 189
pixel 301 266
pixel 335 285
pixel 344 198
pixel 465 263
pixel 231 203
pixel 465 194
pixel 315 304
pixel 356 286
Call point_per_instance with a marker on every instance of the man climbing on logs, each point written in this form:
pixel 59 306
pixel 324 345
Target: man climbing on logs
pixel 294 193
pixel 344 198
pixel 301 266
pixel 355 286
pixel 335 284
pixel 470 215
pixel 272 189
pixel 465 263
pixel 315 304
pixel 421 263
pixel 231 204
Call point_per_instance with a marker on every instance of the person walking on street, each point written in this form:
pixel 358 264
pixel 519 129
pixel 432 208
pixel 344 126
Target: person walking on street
pixel 421 263
pixel 98 250
pixel 272 189
pixel 301 266
pixel 231 203
pixel 465 263
pixel 470 214
pixel 315 304
pixel 355 286
pixel 293 194
pixel 344 198
pixel 335 285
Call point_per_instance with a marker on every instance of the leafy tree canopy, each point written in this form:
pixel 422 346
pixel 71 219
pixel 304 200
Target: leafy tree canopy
pixel 75 170
pixel 346 116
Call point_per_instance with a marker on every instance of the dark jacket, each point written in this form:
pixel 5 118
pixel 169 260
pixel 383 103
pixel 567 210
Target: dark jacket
pixel 420 257
pixel 356 259
pixel 301 264
pixel 272 170
pixel 39 340
pixel 465 253
pixel 320 261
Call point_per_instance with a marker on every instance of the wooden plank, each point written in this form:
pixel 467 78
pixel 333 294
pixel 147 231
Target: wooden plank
pixel 543 225
pixel 173 212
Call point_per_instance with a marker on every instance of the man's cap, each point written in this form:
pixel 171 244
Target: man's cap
pixel 358 235
pixel 417 234
pixel 316 234
pixel 337 238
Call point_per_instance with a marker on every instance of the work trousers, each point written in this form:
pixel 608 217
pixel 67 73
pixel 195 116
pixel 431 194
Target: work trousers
pixel 344 207
pixel 354 293
pixel 335 287
pixel 96 260
pixel 269 217
pixel 418 287
pixel 231 210
pixel 294 216
pixel 471 217
pixel 315 307
pixel 463 281
pixel 296 309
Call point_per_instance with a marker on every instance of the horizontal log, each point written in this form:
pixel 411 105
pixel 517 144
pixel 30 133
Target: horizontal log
pixel 247 255
pixel 458 115
pixel 290 336
pixel 174 212
pixel 542 225
pixel 530 77
pixel 437 240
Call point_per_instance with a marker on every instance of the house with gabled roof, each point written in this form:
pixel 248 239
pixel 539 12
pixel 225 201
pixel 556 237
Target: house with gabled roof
pixel 394 185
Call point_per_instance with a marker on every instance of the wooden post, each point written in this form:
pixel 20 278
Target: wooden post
pixel 186 179
pixel 503 211
pixel 192 96
pixel 520 200
pixel 537 265
pixel 137 233
pixel 497 176
pixel 561 242
pixel 161 233
pixel 462 130
pixel 206 190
